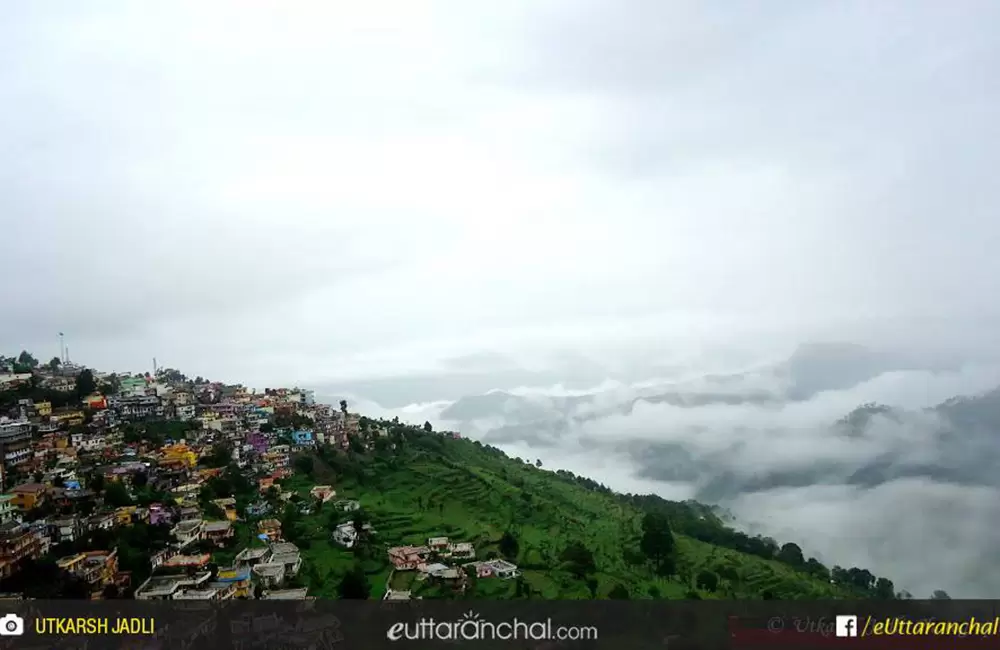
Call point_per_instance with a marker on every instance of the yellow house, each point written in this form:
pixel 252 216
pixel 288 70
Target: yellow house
pixel 186 500
pixel 71 563
pixel 28 495
pixel 125 516
pixel 240 578
pixel 227 506
pixel 205 474
pixel 43 408
pixel 179 454
pixel 69 418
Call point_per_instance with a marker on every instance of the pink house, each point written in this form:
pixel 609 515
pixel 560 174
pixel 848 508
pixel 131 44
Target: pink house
pixel 159 514
pixel 258 441
pixel 406 558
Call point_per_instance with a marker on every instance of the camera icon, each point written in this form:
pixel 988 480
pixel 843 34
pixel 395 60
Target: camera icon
pixel 11 625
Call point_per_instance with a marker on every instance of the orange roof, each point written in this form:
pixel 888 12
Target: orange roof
pixel 30 488
pixel 188 560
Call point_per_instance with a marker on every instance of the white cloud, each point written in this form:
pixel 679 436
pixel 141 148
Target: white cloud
pixel 274 193
pixel 408 175
pixel 886 500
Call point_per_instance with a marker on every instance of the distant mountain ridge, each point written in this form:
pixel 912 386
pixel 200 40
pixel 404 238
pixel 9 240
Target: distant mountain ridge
pixel 811 369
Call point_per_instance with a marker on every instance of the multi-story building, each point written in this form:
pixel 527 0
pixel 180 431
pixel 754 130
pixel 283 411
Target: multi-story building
pixel 169 587
pixel 187 531
pixel 15 441
pixel 178 455
pixel 67 529
pixel 8 511
pixel 68 417
pixel 28 496
pixel 17 544
pixel 88 441
pixel 132 386
pixel 160 514
pixel 238 578
pixel 98 568
pixel 217 532
pixel 137 407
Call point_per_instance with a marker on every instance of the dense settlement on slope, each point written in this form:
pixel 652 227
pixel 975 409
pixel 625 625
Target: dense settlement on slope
pixel 161 487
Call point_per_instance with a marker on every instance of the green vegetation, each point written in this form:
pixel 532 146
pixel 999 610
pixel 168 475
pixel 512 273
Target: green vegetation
pixel 158 432
pixel 571 537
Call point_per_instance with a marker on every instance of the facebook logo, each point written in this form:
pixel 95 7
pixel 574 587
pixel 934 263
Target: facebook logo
pixel 847 626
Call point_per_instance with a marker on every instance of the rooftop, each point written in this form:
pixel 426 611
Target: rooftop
pixel 284 548
pixel 165 585
pixel 29 488
pixel 208 592
pixel 500 564
pixel 217 526
pixel 285 594
pixel 397 595
pixel 187 560
pixel 12 527
pixel 271 569
pixel 249 554
pixel 188 525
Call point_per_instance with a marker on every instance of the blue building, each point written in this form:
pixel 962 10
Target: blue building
pixel 303 438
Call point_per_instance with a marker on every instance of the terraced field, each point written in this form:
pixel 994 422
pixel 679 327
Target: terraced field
pixel 469 493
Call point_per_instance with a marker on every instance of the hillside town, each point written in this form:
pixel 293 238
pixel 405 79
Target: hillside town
pixel 91 456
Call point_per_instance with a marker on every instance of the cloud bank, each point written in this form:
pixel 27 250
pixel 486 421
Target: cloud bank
pixel 909 492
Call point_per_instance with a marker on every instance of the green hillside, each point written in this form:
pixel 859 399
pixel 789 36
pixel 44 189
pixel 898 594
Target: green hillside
pixel 414 485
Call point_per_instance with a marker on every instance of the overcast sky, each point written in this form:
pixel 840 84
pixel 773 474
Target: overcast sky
pixel 272 190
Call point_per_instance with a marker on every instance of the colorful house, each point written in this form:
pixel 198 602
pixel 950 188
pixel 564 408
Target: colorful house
pixel 405 558
pixel 258 441
pixel 125 516
pixel 303 438
pixel 205 474
pixel 98 568
pixel 160 514
pixel 17 543
pixel 178 455
pixel 28 496
pixel 132 385
pixel 8 511
pixel 95 402
pixel 271 528
pixel 323 492
pixel 69 418
pixel 240 578
pixel 228 507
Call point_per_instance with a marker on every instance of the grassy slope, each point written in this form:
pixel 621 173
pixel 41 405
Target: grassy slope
pixel 465 491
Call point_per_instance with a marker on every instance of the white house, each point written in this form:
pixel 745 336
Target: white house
pixel 345 535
